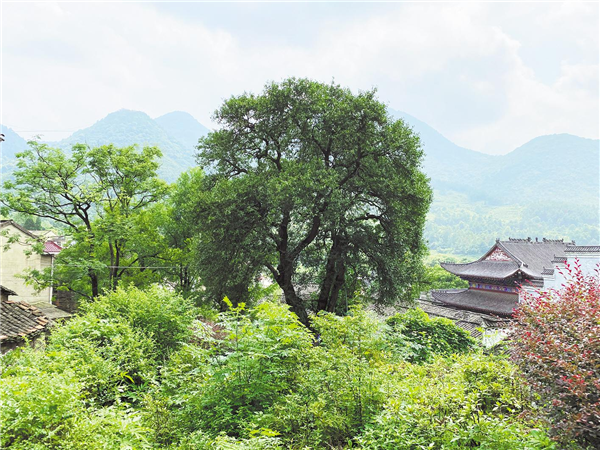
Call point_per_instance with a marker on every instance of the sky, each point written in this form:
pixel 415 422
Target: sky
pixel 488 76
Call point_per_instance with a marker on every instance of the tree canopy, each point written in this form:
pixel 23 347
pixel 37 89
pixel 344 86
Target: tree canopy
pixel 99 196
pixel 317 185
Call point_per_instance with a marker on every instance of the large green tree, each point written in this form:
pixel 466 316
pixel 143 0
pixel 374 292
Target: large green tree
pixel 97 195
pixel 309 180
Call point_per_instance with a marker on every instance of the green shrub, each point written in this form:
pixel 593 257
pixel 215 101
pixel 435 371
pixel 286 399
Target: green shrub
pixel 45 410
pixel 159 313
pixel 428 337
pixel 253 366
pixel 341 383
pixel 112 360
pixel 464 402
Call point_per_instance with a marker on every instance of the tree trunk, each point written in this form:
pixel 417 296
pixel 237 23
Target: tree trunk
pixel 335 271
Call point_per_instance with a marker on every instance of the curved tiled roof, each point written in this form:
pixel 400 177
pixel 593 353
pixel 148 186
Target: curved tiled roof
pixel 484 269
pixel 547 271
pixel 20 320
pixel 524 255
pixel 490 302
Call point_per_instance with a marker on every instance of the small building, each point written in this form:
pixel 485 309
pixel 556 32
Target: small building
pixel 495 278
pixel 17 256
pixel 20 322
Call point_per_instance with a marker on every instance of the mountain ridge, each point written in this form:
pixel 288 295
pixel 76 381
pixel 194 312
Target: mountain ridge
pixel 549 185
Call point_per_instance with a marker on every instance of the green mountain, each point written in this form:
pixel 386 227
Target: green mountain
pixel 127 127
pixel 13 144
pixel 183 127
pixel 548 187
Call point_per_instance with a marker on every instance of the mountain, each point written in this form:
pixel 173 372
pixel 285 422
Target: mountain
pixel 547 167
pixel 127 127
pixel 547 187
pixel 183 127
pixel 13 144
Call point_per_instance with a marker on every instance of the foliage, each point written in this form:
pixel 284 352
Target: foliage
pixel 257 363
pixel 310 174
pixel 436 277
pixel 464 402
pixel 255 379
pixel 113 359
pixel 556 342
pixel 42 409
pixel 429 337
pixel 161 315
pixel 97 194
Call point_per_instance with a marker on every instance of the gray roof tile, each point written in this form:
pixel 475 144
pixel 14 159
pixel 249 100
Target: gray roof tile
pixel 489 302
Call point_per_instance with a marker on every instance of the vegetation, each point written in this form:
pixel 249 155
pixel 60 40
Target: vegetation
pixel 557 345
pixel 323 191
pixel 310 178
pixel 99 196
pixel 134 372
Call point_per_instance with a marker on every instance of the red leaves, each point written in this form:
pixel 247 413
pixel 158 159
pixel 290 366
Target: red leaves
pixel 557 345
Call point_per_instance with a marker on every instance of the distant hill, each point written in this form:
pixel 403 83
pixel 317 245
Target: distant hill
pixel 183 127
pixel 127 127
pixel 13 144
pixel 547 187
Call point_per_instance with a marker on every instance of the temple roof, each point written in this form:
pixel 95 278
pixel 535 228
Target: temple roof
pixel 489 302
pixel 484 269
pixel 507 258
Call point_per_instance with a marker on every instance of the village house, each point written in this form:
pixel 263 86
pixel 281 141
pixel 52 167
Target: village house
pixel 17 256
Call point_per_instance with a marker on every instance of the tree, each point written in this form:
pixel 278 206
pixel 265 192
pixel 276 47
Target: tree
pixel 97 195
pixel 556 342
pixel 310 179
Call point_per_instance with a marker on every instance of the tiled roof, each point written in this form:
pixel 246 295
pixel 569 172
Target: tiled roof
pixel 547 271
pixel 5 290
pixel 583 249
pixel 525 255
pixel 484 269
pixel 52 247
pixel 559 259
pixel 19 320
pixel 534 254
pixel 489 302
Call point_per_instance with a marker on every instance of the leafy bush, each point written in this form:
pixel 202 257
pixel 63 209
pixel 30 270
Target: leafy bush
pixel 464 402
pixel 45 410
pixel 428 337
pixel 162 315
pixel 340 383
pixel 556 342
pixel 255 364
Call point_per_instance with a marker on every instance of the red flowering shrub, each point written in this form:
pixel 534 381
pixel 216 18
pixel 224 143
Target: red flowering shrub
pixel 556 342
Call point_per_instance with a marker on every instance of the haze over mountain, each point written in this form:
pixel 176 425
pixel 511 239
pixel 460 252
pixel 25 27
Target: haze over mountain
pixel 13 144
pixel 547 187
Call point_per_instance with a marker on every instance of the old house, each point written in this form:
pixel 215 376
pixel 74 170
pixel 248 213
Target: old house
pixel 17 255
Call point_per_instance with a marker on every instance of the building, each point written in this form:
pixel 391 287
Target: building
pixel 495 278
pixel 586 256
pixel 17 256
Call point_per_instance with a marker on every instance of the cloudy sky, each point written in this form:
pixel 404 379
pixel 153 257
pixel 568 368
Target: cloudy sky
pixel 489 76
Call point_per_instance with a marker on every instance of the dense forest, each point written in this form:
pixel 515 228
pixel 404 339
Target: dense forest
pixel 236 308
